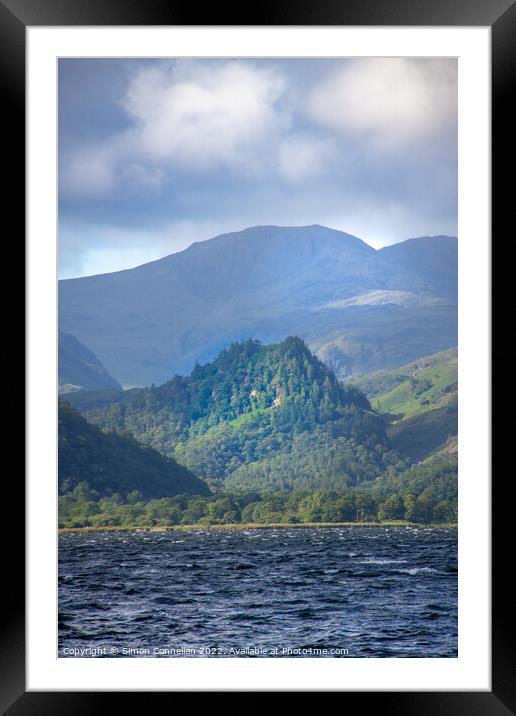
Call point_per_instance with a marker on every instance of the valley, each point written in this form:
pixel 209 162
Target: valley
pixel 276 375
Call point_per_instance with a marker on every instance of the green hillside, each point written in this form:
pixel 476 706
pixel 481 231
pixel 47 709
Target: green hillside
pixel 270 417
pixel 111 463
pixel 426 389
pixel 424 492
pixel 424 434
pixel 277 438
pixel 407 387
pixel 420 400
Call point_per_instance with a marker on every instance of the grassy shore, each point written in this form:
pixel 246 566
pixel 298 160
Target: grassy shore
pixel 249 526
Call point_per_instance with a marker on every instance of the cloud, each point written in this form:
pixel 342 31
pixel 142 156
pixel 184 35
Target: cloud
pixel 170 152
pixel 139 175
pixel 190 116
pixel 250 118
pixel 394 102
pixel 87 170
pixel 302 157
pixel 201 116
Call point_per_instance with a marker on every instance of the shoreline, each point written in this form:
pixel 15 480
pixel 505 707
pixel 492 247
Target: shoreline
pixel 252 526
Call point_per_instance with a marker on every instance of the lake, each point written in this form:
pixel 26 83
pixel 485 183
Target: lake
pixel 330 592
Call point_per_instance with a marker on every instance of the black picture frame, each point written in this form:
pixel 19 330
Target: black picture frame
pixel 500 15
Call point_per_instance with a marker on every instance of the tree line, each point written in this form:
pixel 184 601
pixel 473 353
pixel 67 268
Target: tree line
pixel 82 507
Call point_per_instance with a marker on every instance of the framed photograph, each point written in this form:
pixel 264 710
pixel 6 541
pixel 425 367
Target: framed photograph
pixel 258 260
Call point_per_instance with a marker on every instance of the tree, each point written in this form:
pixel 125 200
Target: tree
pixel 219 509
pixel 365 507
pixel 424 507
pixel 444 512
pixel 409 503
pixel 392 509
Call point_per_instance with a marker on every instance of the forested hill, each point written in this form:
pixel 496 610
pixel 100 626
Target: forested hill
pixel 266 417
pixel 111 463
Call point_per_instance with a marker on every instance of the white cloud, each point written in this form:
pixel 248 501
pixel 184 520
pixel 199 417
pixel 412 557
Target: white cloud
pixel 202 115
pixel 99 168
pixel 392 101
pixel 302 157
pixel 317 151
pixel 140 175
pixel 190 115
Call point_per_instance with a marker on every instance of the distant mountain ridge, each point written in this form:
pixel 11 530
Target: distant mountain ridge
pixel 79 368
pixel 148 323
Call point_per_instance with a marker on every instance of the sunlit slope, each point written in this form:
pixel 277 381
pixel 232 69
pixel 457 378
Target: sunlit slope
pixel 420 400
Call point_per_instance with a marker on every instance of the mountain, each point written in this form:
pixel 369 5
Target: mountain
pixel 111 463
pixel 432 259
pixel 257 417
pixel 358 308
pixel 79 368
pixel 414 388
pixel 421 401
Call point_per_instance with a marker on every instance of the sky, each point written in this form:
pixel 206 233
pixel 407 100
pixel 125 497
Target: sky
pixel 157 154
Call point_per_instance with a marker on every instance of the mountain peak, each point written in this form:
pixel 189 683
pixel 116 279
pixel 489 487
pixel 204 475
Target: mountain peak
pixel 419 241
pixel 265 282
pixel 272 232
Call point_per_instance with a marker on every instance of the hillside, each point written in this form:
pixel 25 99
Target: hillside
pixel 359 309
pixel 79 368
pixel 425 384
pixel 265 417
pixel 426 433
pixel 421 401
pixel 382 381
pixel 111 463
pixel 422 493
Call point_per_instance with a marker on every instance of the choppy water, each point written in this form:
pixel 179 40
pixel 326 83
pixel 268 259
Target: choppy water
pixel 373 591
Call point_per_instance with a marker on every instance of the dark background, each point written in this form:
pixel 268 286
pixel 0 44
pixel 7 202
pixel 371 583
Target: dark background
pixel 15 15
